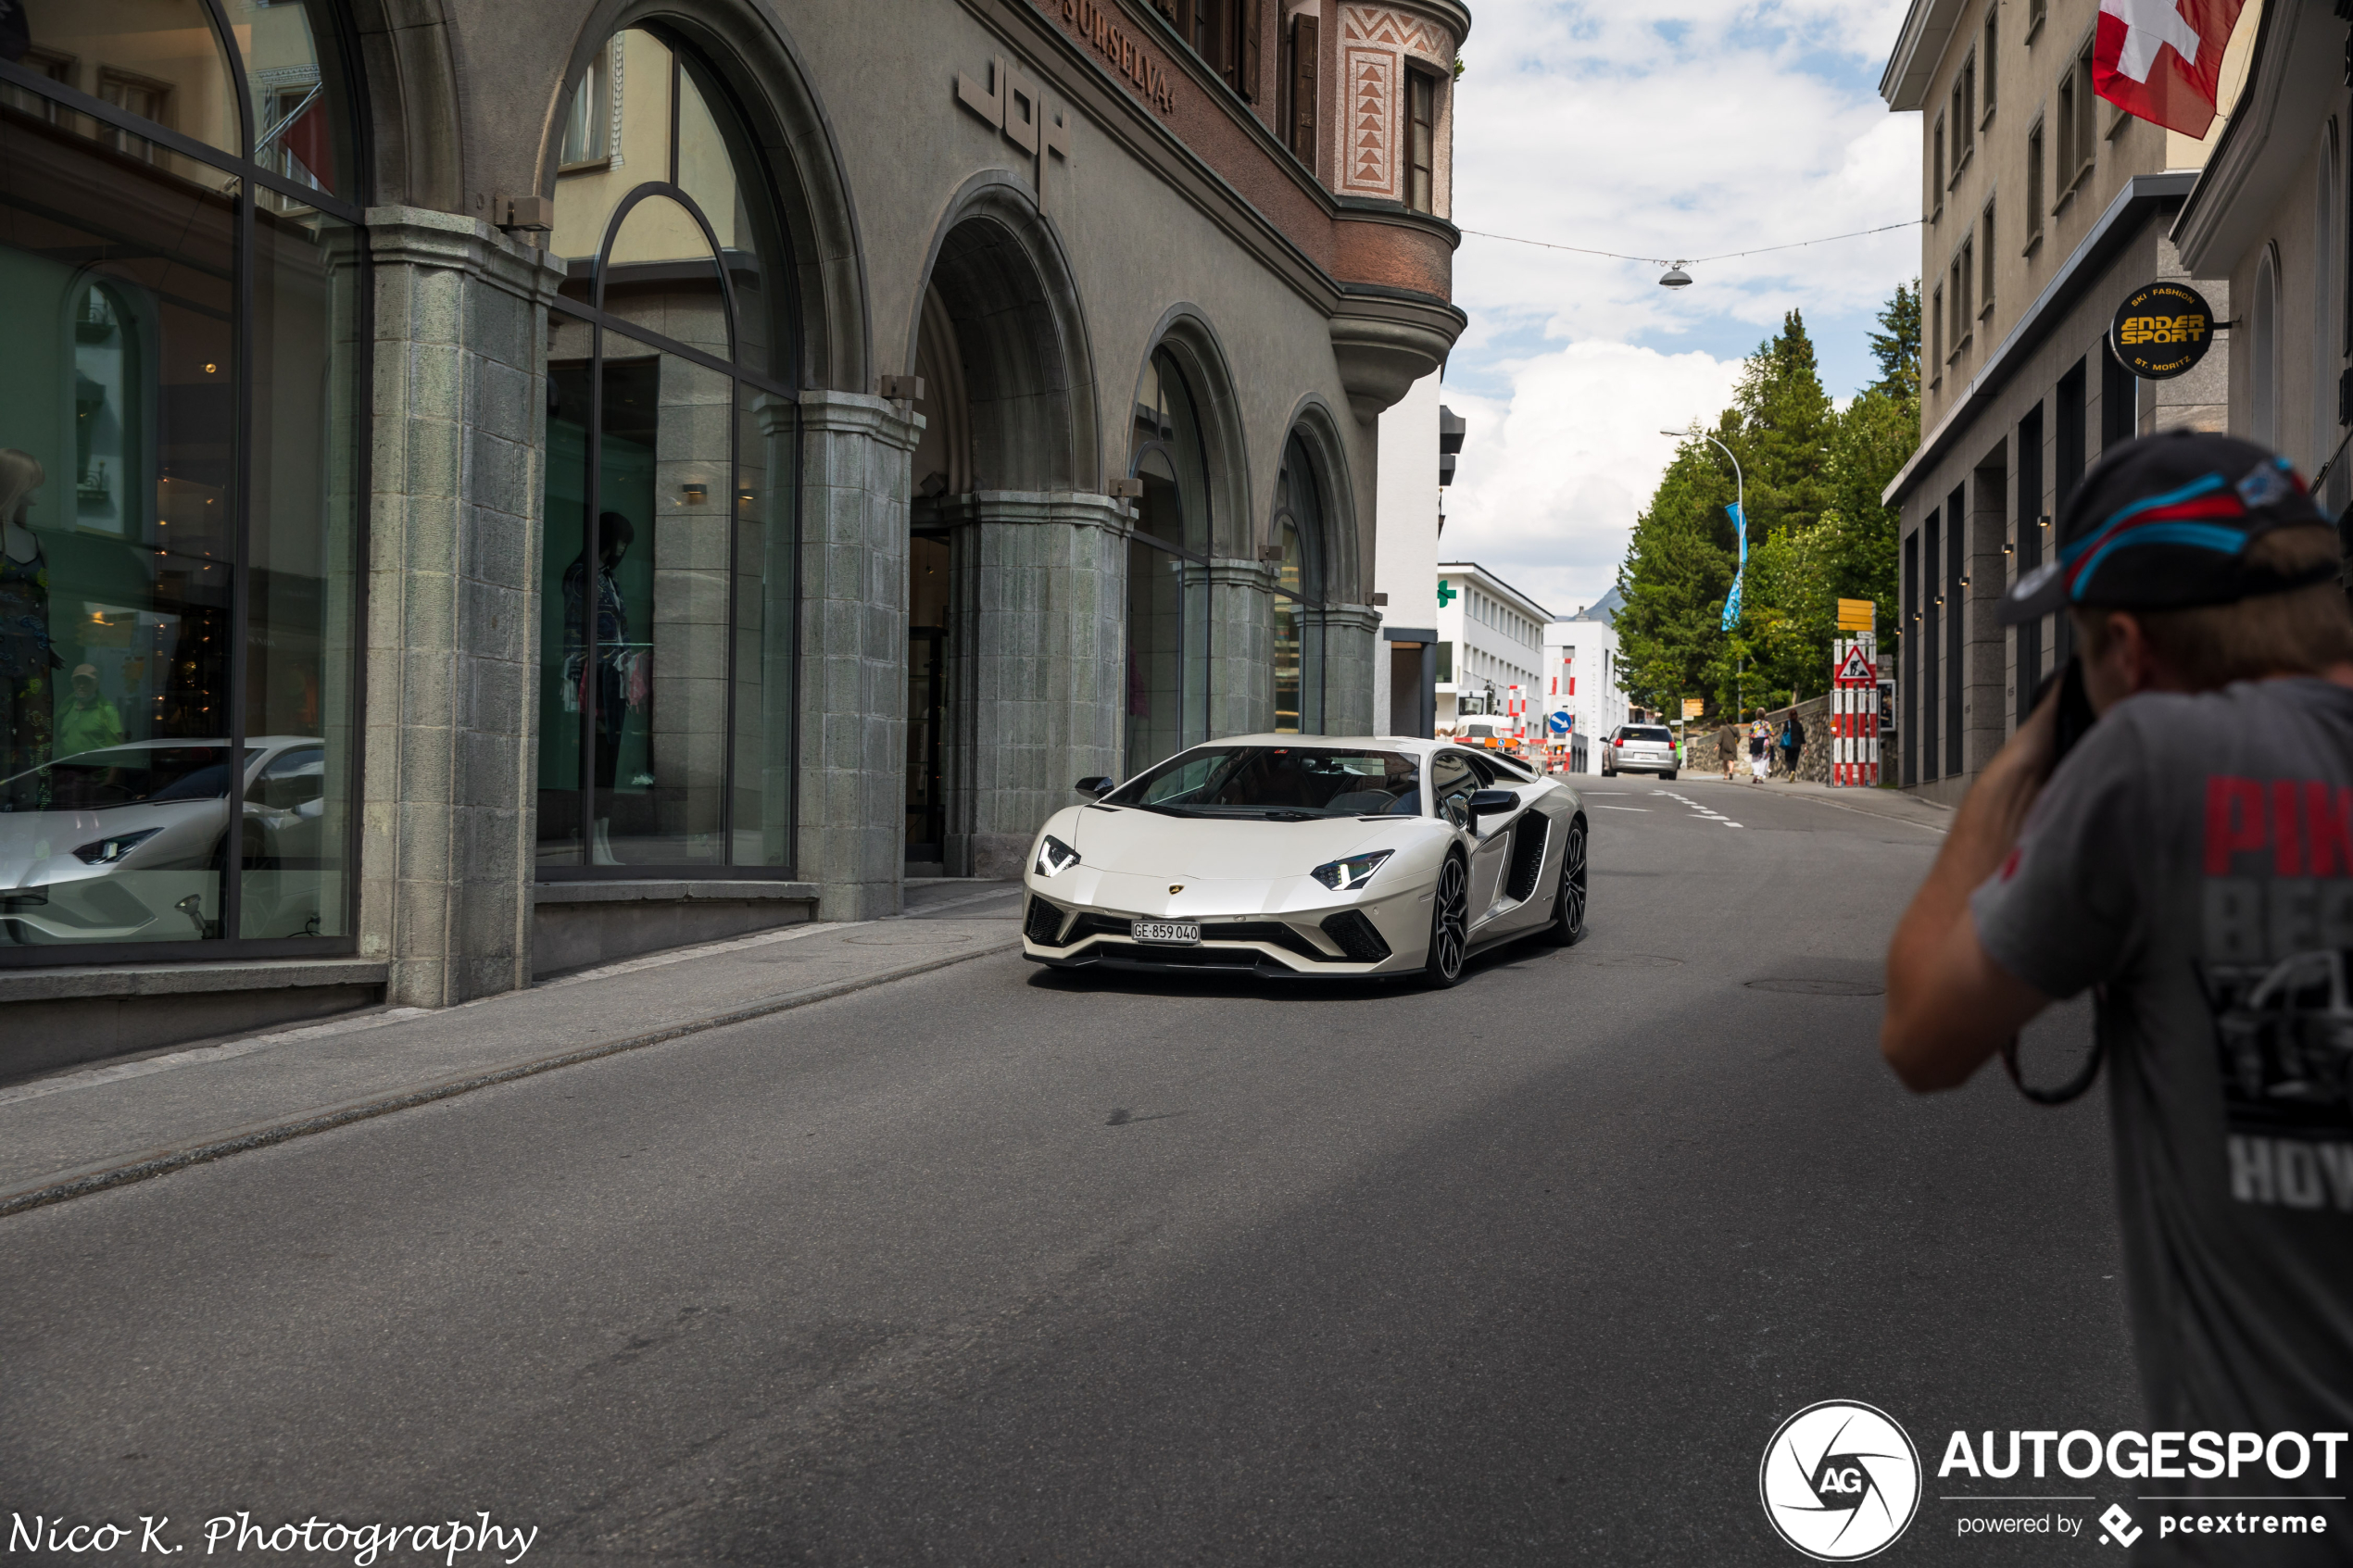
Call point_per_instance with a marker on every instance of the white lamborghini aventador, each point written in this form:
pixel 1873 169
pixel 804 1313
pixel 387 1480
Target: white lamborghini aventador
pixel 1291 855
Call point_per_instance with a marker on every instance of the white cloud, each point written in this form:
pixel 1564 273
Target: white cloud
pixel 1550 482
pixel 1686 129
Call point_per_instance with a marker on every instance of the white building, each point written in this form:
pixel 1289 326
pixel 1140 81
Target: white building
pixel 1419 439
pixel 1581 677
pixel 1491 638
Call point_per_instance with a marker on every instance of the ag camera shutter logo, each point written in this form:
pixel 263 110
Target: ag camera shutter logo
pixel 1840 1481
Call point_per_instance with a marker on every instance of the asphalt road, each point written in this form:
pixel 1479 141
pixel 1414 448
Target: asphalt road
pixel 999 1266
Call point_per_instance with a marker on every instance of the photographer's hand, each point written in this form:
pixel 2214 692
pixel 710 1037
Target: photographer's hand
pixel 1949 1005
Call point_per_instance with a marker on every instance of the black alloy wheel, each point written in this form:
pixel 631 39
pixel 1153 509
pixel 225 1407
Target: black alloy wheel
pixel 1568 908
pixel 1449 926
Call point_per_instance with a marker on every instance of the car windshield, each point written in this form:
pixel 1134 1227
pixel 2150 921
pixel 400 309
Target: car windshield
pixel 129 775
pixel 1637 732
pixel 1282 783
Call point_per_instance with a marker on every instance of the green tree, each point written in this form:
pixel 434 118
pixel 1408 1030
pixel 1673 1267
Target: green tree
pixel 1817 531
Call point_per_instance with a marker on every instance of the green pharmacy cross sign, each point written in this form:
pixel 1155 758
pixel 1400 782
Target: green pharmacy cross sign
pixel 1446 594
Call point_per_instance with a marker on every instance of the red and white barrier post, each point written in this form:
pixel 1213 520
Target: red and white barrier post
pixel 1855 714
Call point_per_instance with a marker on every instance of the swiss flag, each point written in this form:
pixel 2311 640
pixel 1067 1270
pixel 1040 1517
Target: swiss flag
pixel 2162 60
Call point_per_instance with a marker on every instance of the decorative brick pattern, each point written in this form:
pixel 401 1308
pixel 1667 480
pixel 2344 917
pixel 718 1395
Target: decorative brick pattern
pixel 1369 82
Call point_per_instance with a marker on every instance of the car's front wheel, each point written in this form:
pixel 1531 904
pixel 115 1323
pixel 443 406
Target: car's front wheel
pixel 1448 924
pixel 1568 906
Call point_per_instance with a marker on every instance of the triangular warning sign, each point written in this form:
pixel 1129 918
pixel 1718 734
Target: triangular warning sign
pixel 1855 669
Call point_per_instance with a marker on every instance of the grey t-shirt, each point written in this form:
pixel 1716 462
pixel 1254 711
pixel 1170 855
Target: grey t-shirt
pixel 2195 856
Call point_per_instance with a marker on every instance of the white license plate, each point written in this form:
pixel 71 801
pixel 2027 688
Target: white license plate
pixel 1167 933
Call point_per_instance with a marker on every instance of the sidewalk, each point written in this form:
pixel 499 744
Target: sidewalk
pixel 97 1128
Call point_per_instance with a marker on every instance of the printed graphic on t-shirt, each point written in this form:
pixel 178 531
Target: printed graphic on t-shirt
pixel 2278 973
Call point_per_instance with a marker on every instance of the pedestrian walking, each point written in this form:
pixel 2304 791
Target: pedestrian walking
pixel 1759 752
pixel 1728 747
pixel 2182 855
pixel 1792 742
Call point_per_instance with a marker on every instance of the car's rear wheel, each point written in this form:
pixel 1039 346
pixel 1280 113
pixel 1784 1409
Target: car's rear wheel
pixel 1665 776
pixel 1448 924
pixel 1568 906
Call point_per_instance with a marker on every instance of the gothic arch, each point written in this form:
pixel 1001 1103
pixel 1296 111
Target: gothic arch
pixel 409 106
pixel 1236 522
pixel 792 135
pixel 998 274
pixel 1313 422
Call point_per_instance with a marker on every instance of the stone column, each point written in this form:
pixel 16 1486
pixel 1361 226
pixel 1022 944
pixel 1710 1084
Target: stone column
pixel 1354 657
pixel 1037 669
pixel 853 650
pixel 458 441
pixel 1241 648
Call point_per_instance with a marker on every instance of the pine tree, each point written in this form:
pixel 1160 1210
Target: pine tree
pixel 1817 531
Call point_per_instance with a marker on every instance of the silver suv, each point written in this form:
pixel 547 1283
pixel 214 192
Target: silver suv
pixel 1639 748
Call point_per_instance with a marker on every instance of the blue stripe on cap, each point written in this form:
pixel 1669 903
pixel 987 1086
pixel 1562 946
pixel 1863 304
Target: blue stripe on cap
pixel 2190 491
pixel 2202 535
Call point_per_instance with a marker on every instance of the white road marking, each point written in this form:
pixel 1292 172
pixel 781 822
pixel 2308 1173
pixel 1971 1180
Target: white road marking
pixel 1621 809
pixel 1705 813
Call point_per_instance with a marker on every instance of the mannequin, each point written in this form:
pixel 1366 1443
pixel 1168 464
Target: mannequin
pixel 26 686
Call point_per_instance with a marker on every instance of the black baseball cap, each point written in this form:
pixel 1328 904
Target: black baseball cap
pixel 2164 522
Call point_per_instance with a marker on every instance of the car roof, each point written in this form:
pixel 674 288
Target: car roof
pixel 1415 745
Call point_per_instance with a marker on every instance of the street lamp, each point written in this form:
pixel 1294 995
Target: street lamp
pixel 1740 504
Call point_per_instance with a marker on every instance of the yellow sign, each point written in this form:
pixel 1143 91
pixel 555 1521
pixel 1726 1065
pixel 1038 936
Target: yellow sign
pixel 1694 707
pixel 1857 615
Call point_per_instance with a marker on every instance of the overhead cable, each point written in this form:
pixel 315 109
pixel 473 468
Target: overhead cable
pixel 1690 261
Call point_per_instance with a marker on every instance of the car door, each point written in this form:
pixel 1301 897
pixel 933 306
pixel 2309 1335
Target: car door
pixel 1490 838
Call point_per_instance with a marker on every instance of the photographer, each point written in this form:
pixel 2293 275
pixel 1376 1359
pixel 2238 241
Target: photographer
pixel 2192 855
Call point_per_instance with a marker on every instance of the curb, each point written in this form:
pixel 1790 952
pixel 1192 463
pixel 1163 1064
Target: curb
pixel 123 1170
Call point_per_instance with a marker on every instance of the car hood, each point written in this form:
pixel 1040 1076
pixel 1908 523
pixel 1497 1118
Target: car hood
pixel 1216 848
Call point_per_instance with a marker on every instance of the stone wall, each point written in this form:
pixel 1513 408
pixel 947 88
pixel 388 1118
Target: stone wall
pixel 1813 762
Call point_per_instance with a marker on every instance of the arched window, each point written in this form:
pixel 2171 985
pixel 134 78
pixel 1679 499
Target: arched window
pixel 180 485
pixel 1167 571
pixel 1300 595
pixel 2263 353
pixel 667 592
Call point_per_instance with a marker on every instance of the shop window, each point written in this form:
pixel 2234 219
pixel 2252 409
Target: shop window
pixel 667 608
pixel 180 490
pixel 1169 600
pixel 1301 608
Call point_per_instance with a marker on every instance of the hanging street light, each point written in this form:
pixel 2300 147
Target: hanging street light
pixel 1676 278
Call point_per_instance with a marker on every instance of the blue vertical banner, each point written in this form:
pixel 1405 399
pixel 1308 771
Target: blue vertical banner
pixel 1732 604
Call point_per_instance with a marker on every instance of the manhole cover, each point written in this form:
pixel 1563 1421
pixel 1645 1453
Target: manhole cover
pixel 1637 961
pixel 1819 987
pixel 904 939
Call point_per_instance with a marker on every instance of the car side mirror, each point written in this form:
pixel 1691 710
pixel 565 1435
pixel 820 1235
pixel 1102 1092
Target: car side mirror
pixel 1096 784
pixel 1486 802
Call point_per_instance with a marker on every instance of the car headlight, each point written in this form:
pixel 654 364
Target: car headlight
pixel 1342 875
pixel 1054 856
pixel 107 851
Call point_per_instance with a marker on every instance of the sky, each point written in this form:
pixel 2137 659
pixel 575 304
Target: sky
pixel 1664 128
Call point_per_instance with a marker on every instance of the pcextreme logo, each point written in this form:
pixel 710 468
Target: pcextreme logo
pixel 1840 1481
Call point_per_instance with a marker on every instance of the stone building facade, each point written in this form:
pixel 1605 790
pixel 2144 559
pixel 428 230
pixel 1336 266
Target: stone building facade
pixel 588 475
pixel 2044 208
pixel 2274 213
